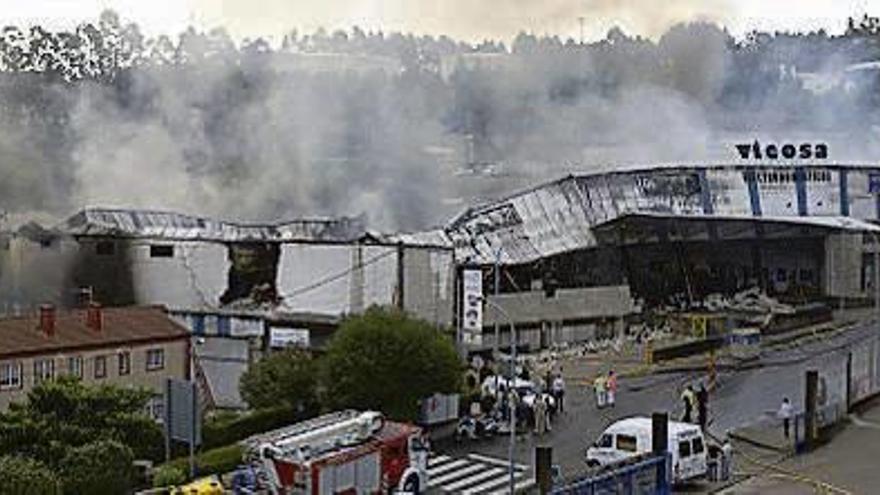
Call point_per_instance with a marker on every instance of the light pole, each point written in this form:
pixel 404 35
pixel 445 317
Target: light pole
pixel 510 386
pixel 496 352
pixel 876 276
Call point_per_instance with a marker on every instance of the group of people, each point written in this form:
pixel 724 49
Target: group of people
pixel 537 414
pixel 696 405
pixel 605 387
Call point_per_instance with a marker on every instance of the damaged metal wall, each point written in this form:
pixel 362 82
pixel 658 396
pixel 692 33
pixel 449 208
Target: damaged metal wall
pixel 560 216
pixel 348 278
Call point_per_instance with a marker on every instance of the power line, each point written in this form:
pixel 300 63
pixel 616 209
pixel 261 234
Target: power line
pixel 337 276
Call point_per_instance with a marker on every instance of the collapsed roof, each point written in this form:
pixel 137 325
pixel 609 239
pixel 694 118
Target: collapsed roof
pixel 563 215
pixel 101 222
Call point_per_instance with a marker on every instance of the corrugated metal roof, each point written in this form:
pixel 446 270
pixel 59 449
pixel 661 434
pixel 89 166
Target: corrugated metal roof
pixel 559 216
pixel 163 224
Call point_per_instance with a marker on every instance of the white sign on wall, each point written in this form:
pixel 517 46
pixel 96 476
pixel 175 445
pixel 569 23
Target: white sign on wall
pixel 286 337
pixel 472 307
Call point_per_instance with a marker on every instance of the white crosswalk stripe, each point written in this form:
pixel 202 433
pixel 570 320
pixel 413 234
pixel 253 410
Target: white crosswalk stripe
pixel 474 474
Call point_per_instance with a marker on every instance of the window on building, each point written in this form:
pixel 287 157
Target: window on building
pixel 10 375
pixel 161 251
pixel 124 363
pixel 155 359
pixel 44 369
pixel 224 327
pixel 105 248
pixel 75 366
pixel 100 366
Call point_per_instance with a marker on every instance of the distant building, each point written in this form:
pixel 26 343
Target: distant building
pixel 128 346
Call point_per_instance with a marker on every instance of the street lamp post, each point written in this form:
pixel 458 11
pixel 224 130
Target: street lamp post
pixel 510 387
pixel 876 276
pixel 496 351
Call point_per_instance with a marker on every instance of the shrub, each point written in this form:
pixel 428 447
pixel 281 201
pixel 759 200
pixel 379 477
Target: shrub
pixel 98 468
pixel 168 475
pixel 215 461
pixel 21 476
pixel 225 430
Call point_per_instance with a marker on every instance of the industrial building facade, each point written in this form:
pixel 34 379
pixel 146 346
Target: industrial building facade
pixel 580 254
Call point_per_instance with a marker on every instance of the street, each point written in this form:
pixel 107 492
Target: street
pixel 742 397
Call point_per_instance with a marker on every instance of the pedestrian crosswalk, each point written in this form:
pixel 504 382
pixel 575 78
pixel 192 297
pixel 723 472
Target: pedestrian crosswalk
pixel 475 474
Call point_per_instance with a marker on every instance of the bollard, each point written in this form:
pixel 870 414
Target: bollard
pixel 810 403
pixel 543 469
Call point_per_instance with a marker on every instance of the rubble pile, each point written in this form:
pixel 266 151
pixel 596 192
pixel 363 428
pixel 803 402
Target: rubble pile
pixel 751 300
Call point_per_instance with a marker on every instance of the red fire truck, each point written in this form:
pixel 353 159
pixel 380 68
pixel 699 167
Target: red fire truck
pixel 346 452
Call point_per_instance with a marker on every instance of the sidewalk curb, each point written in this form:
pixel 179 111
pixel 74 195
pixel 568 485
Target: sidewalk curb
pixel 757 443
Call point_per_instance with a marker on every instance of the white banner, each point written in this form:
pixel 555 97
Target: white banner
pixel 472 307
pixel 284 337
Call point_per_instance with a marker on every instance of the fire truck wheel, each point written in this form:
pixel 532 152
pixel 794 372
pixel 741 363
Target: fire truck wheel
pixel 411 485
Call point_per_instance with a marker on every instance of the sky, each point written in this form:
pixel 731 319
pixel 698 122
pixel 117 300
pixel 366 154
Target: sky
pixel 471 20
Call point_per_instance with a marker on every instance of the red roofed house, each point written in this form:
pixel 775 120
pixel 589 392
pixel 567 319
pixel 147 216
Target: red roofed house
pixel 138 346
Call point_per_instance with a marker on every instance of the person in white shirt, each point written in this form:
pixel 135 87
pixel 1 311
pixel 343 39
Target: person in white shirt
pixel 558 391
pixel 785 413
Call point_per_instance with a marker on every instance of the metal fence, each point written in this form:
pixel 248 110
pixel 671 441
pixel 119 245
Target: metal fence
pixel 646 477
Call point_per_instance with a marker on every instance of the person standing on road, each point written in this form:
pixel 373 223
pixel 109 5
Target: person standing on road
pixel 785 413
pixel 688 398
pixel 611 387
pixel 539 409
pixel 702 407
pixel 558 389
pixel 599 387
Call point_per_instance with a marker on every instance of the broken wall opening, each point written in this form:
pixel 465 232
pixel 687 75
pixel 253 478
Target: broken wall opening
pixel 253 272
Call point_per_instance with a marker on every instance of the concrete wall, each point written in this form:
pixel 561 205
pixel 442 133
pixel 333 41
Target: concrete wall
pixel 843 265
pixel 31 273
pixel 176 364
pixel 348 278
pixel 568 304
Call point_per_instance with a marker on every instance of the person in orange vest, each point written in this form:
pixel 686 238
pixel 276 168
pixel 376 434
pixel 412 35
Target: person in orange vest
pixel 611 388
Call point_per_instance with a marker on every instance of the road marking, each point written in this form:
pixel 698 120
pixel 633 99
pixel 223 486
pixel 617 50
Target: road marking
pixel 522 485
pixel 449 466
pixel 495 461
pixel 862 423
pixel 437 459
pixel 494 483
pixel 487 473
pixel 454 474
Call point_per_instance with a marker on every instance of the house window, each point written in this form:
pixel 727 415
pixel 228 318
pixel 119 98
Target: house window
pixel 124 363
pixel 155 359
pixel 161 251
pixel 100 366
pixel 44 369
pixel 75 366
pixel 10 375
pixel 105 248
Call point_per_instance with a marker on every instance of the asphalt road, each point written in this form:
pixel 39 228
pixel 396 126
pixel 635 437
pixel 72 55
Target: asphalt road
pixel 742 397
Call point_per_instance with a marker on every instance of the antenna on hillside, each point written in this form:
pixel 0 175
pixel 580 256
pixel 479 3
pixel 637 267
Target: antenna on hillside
pixel 581 22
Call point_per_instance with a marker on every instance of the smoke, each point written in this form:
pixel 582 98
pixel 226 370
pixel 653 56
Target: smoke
pixel 351 123
pixel 461 19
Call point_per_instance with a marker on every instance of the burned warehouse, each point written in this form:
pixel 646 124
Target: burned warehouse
pixel 579 256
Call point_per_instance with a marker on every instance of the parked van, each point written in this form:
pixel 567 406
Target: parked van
pixel 631 437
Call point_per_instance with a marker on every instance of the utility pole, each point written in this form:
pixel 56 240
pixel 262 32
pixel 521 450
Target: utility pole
pixel 496 352
pixel 581 22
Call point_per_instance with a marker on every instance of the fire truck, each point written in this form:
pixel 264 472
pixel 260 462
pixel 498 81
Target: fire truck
pixel 346 452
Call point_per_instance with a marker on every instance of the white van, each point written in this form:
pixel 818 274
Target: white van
pixel 631 437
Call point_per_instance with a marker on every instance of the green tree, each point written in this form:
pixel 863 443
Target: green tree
pixel 98 468
pixel 289 377
pixel 388 361
pixel 63 414
pixel 22 476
